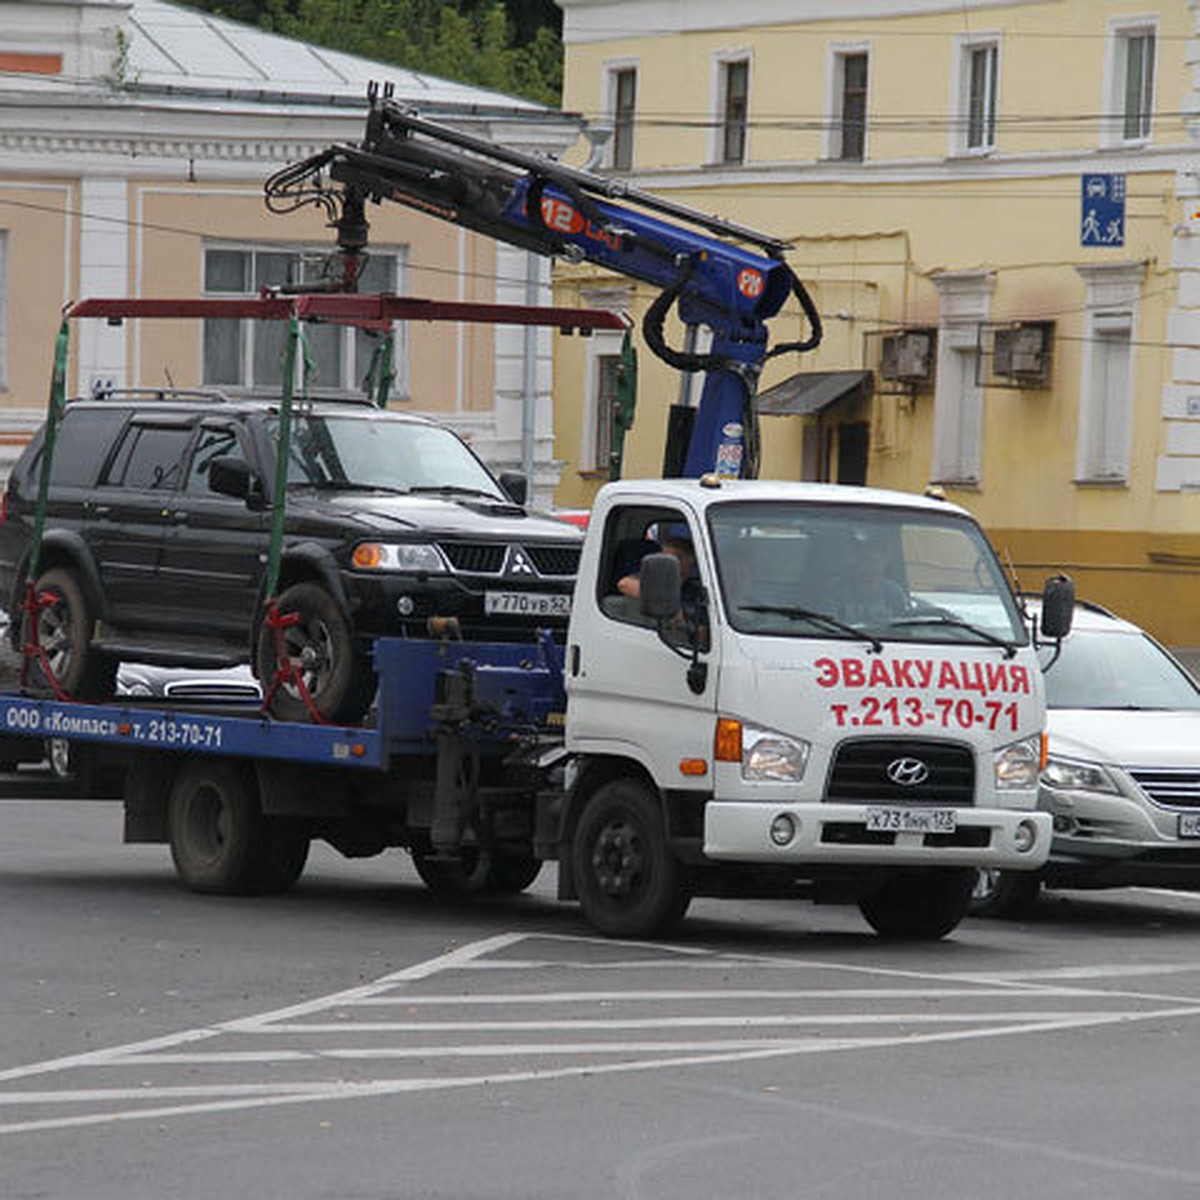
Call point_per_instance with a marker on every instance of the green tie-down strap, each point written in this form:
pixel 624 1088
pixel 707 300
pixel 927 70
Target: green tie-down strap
pixel 54 412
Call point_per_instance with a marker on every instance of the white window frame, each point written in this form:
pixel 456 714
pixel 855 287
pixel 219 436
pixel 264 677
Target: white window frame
pixel 3 310
pixel 1121 32
pixel 1106 398
pixel 958 397
pixel 603 344
pixel 612 71
pixel 966 46
pixel 352 371
pixel 835 74
pixel 721 62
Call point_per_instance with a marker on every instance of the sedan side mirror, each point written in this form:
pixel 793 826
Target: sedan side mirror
pixel 1058 606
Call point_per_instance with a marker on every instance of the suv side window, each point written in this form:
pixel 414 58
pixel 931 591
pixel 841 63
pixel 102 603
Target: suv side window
pixel 150 457
pixel 213 442
pixel 83 438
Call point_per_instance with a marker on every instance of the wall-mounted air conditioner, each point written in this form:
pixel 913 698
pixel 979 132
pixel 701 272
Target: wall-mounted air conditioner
pixel 1022 353
pixel 907 356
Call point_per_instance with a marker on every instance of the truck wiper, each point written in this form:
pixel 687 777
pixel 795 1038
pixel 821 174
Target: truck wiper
pixel 1008 647
pixel 817 618
pixel 349 485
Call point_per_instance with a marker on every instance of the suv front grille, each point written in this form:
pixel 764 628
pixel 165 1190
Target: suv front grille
pixel 487 558
pixel 1173 788
pixel 475 558
pixel 859 772
pixel 555 560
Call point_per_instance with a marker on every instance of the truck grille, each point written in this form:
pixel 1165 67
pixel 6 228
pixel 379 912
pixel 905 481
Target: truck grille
pixel 860 772
pixel 1174 788
pixel 555 560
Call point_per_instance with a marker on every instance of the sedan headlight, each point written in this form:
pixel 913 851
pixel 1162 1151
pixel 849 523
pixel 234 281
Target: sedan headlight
pixel 398 556
pixel 1077 776
pixel 1016 765
pixel 773 757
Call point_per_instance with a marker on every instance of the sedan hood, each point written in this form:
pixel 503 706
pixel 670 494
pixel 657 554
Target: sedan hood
pixel 469 517
pixel 1124 737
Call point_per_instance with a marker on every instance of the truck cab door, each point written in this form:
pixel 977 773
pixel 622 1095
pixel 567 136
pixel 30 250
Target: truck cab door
pixel 631 680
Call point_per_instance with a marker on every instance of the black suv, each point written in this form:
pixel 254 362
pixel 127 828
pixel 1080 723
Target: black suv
pixel 158 528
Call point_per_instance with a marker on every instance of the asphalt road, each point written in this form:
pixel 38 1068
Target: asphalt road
pixel 358 1039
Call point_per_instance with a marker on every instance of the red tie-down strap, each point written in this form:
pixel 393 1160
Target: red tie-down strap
pixel 31 648
pixel 286 671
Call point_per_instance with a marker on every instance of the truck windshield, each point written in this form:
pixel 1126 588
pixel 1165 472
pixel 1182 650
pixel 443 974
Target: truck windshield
pixel 357 452
pixel 791 569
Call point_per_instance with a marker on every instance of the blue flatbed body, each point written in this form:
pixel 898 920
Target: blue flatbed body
pixel 516 689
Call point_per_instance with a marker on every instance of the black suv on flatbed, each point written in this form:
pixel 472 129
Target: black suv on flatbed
pixel 158 528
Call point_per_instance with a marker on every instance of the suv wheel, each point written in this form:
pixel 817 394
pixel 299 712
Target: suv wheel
pixel 64 631
pixel 322 646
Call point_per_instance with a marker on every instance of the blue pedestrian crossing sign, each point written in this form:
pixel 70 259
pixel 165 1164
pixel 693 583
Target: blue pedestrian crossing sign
pixel 1103 210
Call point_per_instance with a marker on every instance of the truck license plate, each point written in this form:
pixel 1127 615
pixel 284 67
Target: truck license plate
pixel 527 604
pixel 913 820
pixel 1189 825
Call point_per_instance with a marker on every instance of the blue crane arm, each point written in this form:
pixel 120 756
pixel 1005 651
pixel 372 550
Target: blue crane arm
pixel 718 274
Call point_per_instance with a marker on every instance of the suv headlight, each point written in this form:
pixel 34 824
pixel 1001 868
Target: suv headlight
pixel 1016 765
pixel 772 757
pixel 1077 776
pixel 398 556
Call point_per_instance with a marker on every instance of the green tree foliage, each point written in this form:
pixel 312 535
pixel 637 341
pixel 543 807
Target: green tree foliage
pixel 508 45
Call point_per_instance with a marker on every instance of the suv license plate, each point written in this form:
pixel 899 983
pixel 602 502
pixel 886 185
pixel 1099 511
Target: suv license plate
pixel 527 604
pixel 1189 825
pixel 913 820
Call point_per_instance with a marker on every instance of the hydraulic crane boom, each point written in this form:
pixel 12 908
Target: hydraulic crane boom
pixel 542 206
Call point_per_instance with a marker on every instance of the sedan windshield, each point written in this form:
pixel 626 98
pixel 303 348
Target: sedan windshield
pixel 1101 669
pixel 395 456
pixel 851 571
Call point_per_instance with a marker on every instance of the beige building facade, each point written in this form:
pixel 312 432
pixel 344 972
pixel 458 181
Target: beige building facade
pixel 135 140
pixel 997 209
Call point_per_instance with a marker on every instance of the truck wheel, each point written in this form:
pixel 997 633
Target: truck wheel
pixel 323 648
pixel 1005 893
pixel 285 857
pixel 922 906
pixel 64 631
pixel 629 881
pixel 466 875
pixel 220 840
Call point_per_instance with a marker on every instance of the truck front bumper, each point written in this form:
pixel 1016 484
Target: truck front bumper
pixel 738 831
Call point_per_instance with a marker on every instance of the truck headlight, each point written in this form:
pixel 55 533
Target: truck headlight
pixel 398 556
pixel 771 756
pixel 1077 776
pixel 1016 765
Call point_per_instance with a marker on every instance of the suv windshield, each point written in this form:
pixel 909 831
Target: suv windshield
pixel 807 570
pixel 399 456
pixel 1102 669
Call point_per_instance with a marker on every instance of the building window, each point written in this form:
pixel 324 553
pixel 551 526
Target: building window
pixel 1133 82
pixel 623 83
pixel 851 118
pixel 734 95
pixel 981 97
pixel 250 354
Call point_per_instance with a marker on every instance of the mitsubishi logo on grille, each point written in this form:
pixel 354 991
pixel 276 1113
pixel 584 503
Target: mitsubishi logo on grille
pixel 518 563
pixel 907 772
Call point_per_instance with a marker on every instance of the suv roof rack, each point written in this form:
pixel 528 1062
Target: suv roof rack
pixel 194 395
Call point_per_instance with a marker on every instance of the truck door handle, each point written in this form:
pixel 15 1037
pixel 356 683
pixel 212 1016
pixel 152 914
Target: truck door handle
pixel 574 657
pixel 101 510
pixel 180 516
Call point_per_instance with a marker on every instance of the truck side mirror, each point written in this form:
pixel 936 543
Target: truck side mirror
pixel 1058 606
pixel 661 586
pixel 515 485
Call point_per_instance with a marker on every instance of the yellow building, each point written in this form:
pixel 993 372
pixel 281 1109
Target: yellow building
pixel 997 209
pixel 136 139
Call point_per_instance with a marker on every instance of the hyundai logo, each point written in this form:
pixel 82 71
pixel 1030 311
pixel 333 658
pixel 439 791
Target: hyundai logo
pixel 518 562
pixel 907 772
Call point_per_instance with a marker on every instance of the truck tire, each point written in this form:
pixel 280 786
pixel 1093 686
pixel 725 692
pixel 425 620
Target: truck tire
pixel 919 906
pixel 64 631
pixel 336 673
pixel 511 874
pixel 629 881
pixel 453 878
pixel 285 858
pixel 220 840
pixel 1005 893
